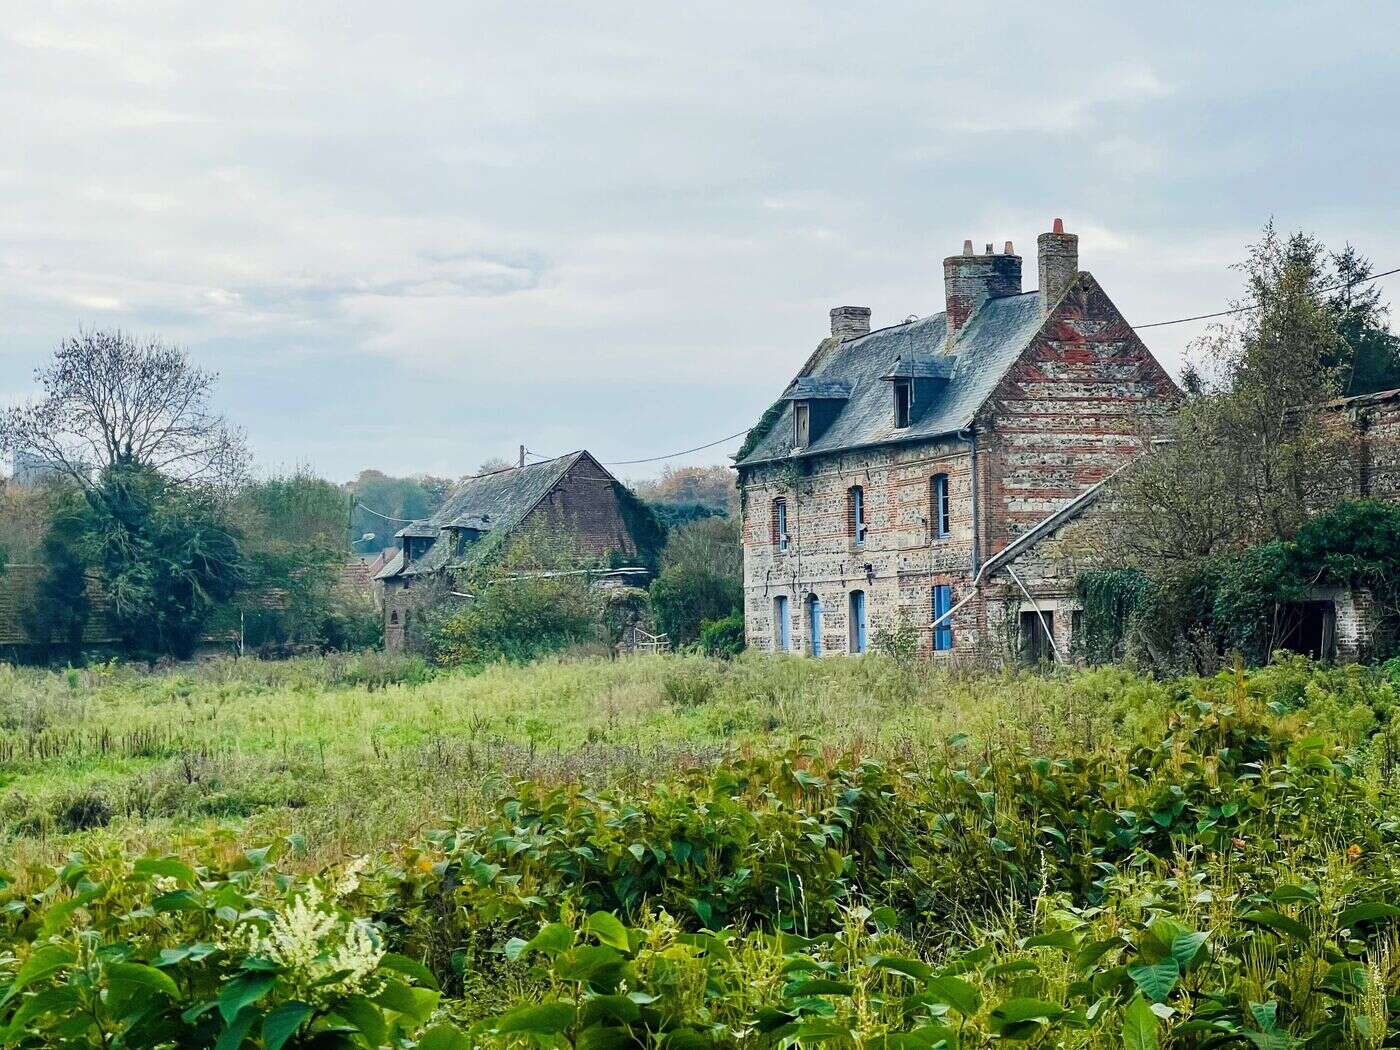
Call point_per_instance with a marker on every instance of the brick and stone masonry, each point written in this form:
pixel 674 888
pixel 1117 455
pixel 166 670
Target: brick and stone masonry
pixel 1050 392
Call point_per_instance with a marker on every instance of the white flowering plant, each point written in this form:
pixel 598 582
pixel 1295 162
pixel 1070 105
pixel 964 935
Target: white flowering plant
pixel 159 953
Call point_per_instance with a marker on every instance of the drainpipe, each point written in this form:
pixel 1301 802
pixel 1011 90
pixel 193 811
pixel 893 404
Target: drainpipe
pixel 1028 537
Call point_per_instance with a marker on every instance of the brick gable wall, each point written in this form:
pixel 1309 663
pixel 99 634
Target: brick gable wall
pixel 585 507
pixel 1077 404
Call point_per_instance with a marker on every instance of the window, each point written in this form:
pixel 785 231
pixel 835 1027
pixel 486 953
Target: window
pixel 938 506
pixel 857 621
pixel 394 616
pixel 782 626
pixel 942 631
pixel 801 424
pixel 780 529
pixel 855 513
pixel 814 624
pixel 901 403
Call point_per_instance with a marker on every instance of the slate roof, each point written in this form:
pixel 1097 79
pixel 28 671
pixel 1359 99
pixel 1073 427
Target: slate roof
pixel 816 388
pixel 984 350
pixel 922 366
pixel 504 496
pixel 498 501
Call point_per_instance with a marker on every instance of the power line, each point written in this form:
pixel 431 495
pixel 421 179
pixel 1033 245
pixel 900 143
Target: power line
pixel 1256 306
pixel 654 459
pixel 700 448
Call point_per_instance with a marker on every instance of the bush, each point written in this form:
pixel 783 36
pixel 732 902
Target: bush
pixel 724 637
pixel 518 621
pixel 683 598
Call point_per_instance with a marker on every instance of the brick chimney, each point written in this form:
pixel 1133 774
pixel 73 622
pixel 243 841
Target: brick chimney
pixel 969 280
pixel 1058 257
pixel 850 322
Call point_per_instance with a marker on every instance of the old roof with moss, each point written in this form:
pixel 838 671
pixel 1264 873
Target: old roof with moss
pixel 488 503
pixel 965 375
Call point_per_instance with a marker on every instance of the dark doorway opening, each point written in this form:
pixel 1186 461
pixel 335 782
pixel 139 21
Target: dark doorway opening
pixel 1308 628
pixel 1035 644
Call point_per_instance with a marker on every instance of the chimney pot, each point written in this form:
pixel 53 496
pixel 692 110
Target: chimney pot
pixel 1009 250
pixel 1058 260
pixel 970 280
pixel 850 322
pixel 989 248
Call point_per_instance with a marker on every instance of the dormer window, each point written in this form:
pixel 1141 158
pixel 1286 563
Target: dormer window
pixel 801 424
pixel 902 399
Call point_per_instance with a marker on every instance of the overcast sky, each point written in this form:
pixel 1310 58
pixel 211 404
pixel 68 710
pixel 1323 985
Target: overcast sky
pixel 413 236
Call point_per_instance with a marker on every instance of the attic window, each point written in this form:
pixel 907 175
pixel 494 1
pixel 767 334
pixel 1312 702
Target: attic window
pixel 801 424
pixel 902 402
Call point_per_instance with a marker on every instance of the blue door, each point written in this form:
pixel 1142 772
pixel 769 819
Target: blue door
pixel 942 602
pixel 857 621
pixel 783 634
pixel 814 623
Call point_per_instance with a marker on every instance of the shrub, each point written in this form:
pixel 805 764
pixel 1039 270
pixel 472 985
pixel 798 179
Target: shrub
pixel 684 597
pixel 723 638
pixel 519 620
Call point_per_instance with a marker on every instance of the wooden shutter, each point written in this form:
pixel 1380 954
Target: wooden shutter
pixel 850 512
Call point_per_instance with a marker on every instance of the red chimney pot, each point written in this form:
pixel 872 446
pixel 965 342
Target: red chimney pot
pixel 1059 225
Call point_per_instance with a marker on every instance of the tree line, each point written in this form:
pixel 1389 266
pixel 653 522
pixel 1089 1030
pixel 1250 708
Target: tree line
pixel 143 515
pixel 1246 502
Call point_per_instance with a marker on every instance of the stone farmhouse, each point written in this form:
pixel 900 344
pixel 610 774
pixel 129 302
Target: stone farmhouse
pixel 917 476
pixel 572 498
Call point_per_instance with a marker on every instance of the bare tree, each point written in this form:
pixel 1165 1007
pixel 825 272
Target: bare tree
pixel 108 399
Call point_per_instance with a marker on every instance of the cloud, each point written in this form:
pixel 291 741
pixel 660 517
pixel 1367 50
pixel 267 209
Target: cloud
pixel 418 239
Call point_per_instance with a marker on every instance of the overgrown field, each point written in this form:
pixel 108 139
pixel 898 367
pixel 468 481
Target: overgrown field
pixel 681 853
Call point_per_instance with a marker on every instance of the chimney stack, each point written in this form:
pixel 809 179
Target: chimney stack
pixel 970 280
pixel 1058 257
pixel 850 322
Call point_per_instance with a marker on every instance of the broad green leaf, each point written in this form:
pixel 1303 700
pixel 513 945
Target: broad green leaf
pixel 409 968
pixel 901 964
pixel 1279 923
pixel 552 939
pixel 60 1000
pixel 170 867
pixel 45 960
pixel 231 1038
pixel 593 963
pixel 366 1017
pixel 957 993
pixel 1139 1026
pixel 1185 947
pixel 1058 939
pixel 144 976
pixel 282 1023
pixel 1265 1015
pixel 415 1003
pixel 548 1018
pixel 609 930
pixel 821 986
pixel 1156 979
pixel 243 990
pixel 1020 1019
pixel 1369 911
pixel 444 1037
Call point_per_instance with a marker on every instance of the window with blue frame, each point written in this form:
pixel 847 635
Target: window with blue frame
pixel 942 602
pixel 938 506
